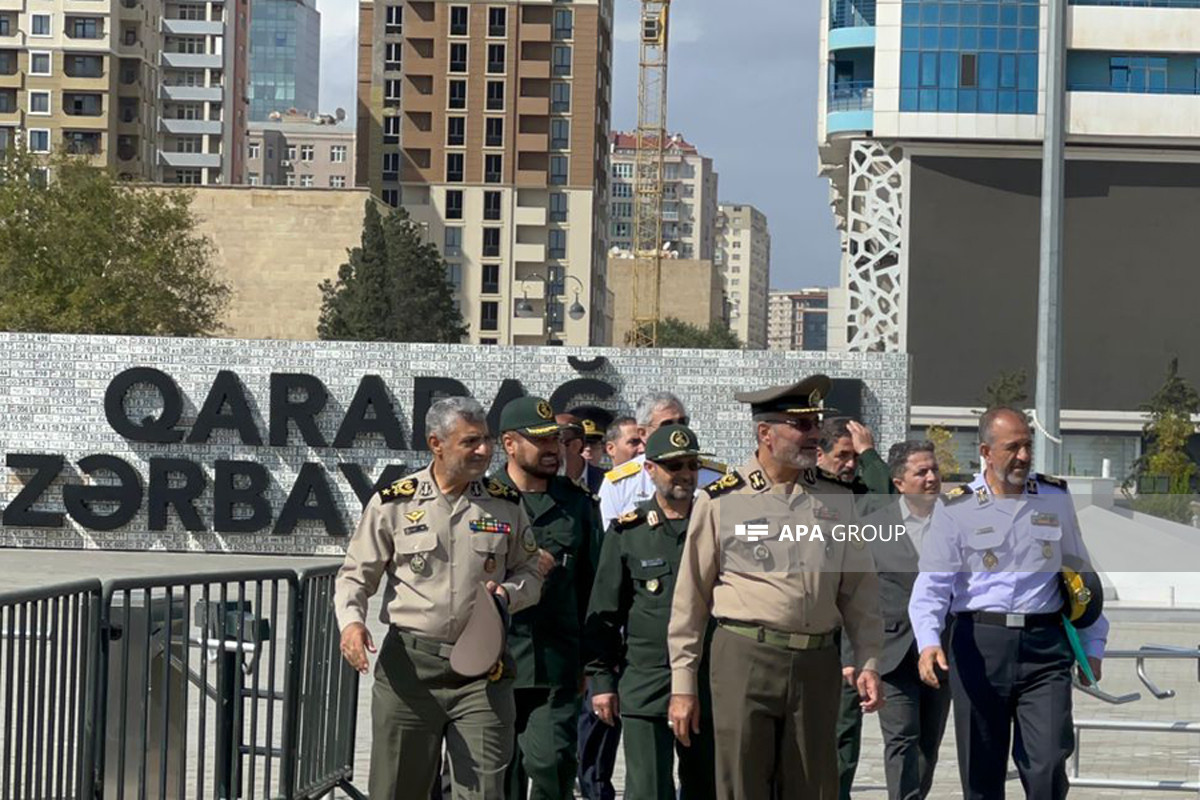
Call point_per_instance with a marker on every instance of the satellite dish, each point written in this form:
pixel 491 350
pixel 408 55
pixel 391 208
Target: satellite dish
pixel 340 114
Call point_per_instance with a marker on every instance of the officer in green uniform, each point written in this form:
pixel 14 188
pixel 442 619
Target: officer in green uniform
pixel 627 628
pixel 545 639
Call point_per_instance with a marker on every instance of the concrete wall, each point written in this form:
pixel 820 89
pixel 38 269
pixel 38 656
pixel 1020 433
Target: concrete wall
pixel 692 291
pixel 274 247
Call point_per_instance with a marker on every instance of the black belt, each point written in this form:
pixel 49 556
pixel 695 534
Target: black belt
pixel 1022 621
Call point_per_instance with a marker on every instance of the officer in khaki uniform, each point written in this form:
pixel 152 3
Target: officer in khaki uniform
pixel 627 628
pixel 545 639
pixel 437 536
pixel 775 669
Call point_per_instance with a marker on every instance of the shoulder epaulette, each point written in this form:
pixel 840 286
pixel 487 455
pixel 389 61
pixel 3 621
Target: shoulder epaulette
pixel 400 490
pixel 624 471
pixel 715 466
pixel 629 519
pixel 497 489
pixel 724 484
pixel 1052 480
pixel 958 493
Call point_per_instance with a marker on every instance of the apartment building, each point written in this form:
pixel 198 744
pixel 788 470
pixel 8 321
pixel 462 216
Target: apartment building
pixel 742 255
pixel 798 319
pixel 689 197
pixel 285 57
pixel 488 122
pixel 301 151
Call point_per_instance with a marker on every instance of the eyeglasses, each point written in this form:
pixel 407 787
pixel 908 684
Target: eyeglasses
pixel 676 465
pixel 684 420
pixel 802 424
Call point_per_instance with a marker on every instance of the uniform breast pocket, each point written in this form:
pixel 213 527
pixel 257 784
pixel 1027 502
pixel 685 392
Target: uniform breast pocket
pixel 1048 546
pixel 984 550
pixel 489 549
pixel 416 553
pixel 652 581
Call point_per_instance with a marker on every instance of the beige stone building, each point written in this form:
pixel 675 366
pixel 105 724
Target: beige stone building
pixel 488 122
pixel 691 291
pixel 798 319
pixel 743 256
pixel 302 151
pixel 268 254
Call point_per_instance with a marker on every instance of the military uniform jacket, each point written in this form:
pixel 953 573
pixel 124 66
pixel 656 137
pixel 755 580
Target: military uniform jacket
pixel 811 587
pixel 434 551
pixel 634 586
pixel 545 639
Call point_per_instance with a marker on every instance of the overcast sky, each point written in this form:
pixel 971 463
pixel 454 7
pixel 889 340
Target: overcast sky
pixel 743 88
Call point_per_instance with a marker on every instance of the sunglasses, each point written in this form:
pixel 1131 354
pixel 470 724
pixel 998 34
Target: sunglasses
pixel 684 420
pixel 676 465
pixel 802 424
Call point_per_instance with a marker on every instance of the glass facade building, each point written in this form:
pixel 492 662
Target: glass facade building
pixel 285 57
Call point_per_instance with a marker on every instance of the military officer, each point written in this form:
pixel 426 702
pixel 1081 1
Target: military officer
pixel 990 569
pixel 436 536
pixel 545 639
pixel 774 667
pixel 595 421
pixel 627 485
pixel 627 624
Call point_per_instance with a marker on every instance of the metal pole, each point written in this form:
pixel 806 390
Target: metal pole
pixel 1047 454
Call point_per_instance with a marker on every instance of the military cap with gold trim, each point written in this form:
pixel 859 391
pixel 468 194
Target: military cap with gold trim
pixel 672 441
pixel 530 416
pixel 804 397
pixel 593 419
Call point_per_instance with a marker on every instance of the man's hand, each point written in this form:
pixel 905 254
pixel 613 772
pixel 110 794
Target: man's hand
pixel 870 692
pixel 607 707
pixel 683 715
pixel 861 438
pixel 545 562
pixel 850 675
pixel 497 589
pixel 356 643
pixel 1094 663
pixel 932 659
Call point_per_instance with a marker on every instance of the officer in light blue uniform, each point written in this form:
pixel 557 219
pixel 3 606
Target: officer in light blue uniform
pixel 991 569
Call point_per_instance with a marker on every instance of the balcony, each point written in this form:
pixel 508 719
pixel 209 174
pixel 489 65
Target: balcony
pixel 12 5
pixel 191 61
pixel 190 127
pixel 97 7
pixel 1160 26
pixel 14 39
pixel 532 142
pixel 533 106
pixel 1101 111
pixel 193 94
pixel 189 160
pixel 83 143
pixel 850 106
pixel 851 14
pixel 193 27
pixel 82 105
pixel 534 68
pixel 532 253
pixel 529 326
pixel 531 216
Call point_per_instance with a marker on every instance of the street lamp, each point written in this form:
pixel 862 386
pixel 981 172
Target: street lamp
pixel 524 307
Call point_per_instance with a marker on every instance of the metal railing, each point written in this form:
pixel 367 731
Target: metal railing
pixel 1127 89
pixel 851 14
pixel 1139 3
pixel 226 685
pixel 851 95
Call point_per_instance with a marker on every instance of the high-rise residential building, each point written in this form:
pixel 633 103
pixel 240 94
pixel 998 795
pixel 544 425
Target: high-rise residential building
pixel 285 57
pixel 82 77
pixel 488 122
pixel 301 151
pixel 931 121
pixel 689 197
pixel 743 258
pixel 798 319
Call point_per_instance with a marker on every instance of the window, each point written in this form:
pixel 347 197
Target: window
pixel 497 22
pixel 391 130
pixel 291 152
pixel 491 206
pixel 39 63
pixel 560 98
pixel 494 132
pixel 306 152
pixel 39 25
pixel 562 59
pixel 496 59
pixel 306 181
pixel 560 134
pixel 391 197
pixel 493 167
pixel 968 70
pixel 453 242
pixel 1144 74
pixel 391 89
pixel 254 150
pixel 190 11
pixel 454 276
pixel 490 283
pixel 458 20
pixel 489 316
pixel 491 242
pixel 622 190
pixel 454 204
pixel 252 178
pixel 391 55
pixel 391 166
pixel 495 95
pixel 291 179
pixel 456 131
pixel 39 140
pixel 458 56
pixel 189 176
pixel 623 170
pixel 189 144
pixel 558 207
pixel 337 181
pixel 487 340
pixel 39 102
pixel 395 19
pixel 337 153
pixel 458 95
pixel 85 28
pixel 558 170
pixel 622 210
pixel 564 24
pixel 620 230
pixel 5 27
pixel 454 167
pixel 557 243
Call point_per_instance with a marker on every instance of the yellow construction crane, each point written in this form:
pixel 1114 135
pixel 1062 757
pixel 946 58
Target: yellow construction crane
pixel 648 172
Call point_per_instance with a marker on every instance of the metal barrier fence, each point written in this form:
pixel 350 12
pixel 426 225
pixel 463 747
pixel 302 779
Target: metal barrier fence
pixel 226 686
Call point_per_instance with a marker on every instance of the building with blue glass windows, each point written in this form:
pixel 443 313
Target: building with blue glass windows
pixel 285 57
pixel 931 120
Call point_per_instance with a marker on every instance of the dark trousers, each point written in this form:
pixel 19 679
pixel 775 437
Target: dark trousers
pixel 543 764
pixel 849 738
pixel 598 745
pixel 912 721
pixel 650 751
pixel 1011 687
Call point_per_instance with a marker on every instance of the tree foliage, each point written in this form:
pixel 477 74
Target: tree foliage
pixel 392 288
pixel 85 253
pixel 674 332
pixel 943 449
pixel 1165 472
pixel 1006 389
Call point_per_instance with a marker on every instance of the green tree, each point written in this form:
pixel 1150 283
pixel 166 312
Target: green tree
pixel 85 253
pixel 943 449
pixel 1165 472
pixel 674 332
pixel 1006 389
pixel 393 288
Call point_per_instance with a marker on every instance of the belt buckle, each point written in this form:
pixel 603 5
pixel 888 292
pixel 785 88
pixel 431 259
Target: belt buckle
pixel 798 641
pixel 1014 620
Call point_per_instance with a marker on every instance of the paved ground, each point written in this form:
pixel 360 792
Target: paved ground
pixel 1104 754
